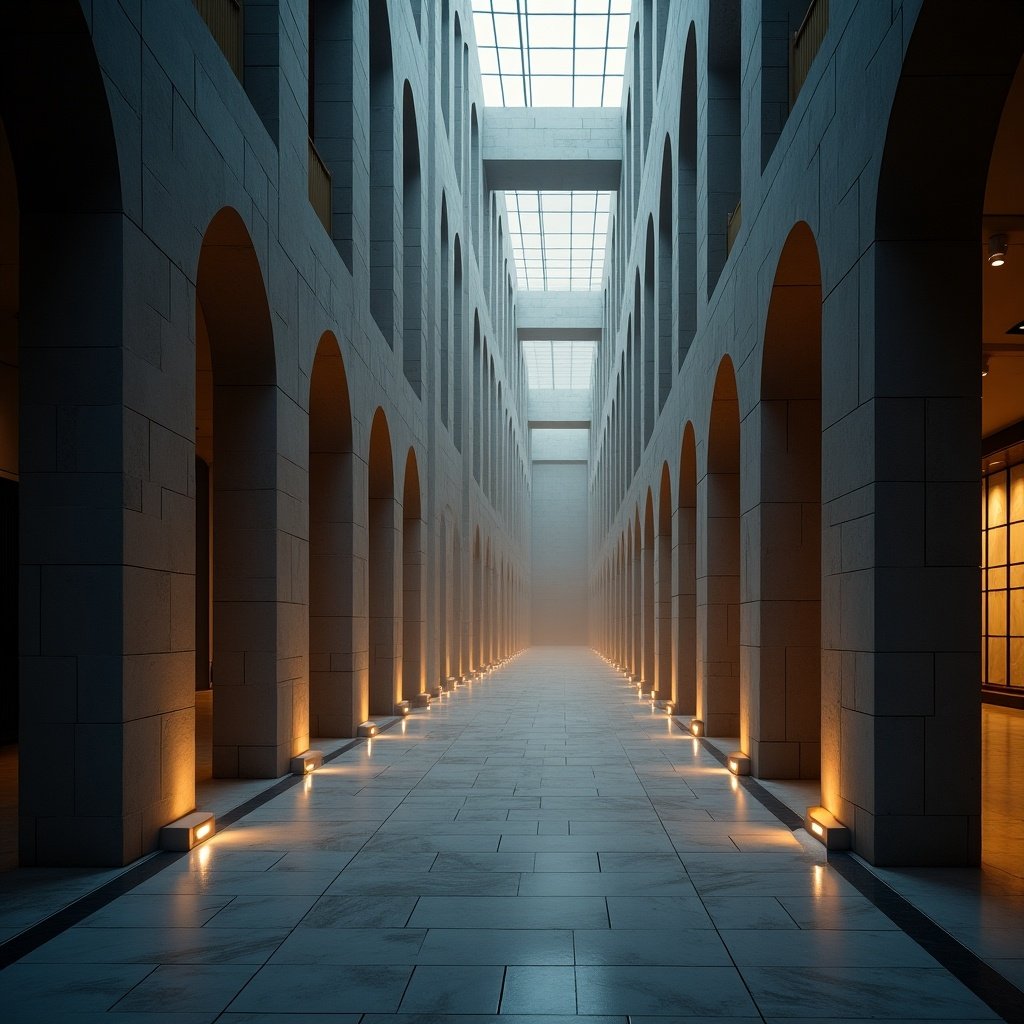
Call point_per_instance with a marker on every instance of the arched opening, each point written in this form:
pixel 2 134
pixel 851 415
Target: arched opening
pixel 718 690
pixel 650 335
pixel 383 194
pixel 382 570
pixel 458 372
pixel 927 376
pixel 412 253
pixel 477 645
pixel 331 108
pixel 337 688
pixel 412 582
pixel 629 651
pixel 665 277
pixel 478 380
pixel 460 627
pixel 487 612
pixel 663 583
pixel 684 695
pixel 637 596
pixel 459 100
pixel 723 134
pixel 663 9
pixel 782 731
pixel 444 602
pixel 626 196
pixel 638 133
pixel 648 67
pixel 638 377
pixel 475 167
pixel 648 597
pixel 444 390
pixel 446 64
pixel 236 431
pixel 686 186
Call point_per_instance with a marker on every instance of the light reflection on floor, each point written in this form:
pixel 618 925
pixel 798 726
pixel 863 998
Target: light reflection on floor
pixel 1002 761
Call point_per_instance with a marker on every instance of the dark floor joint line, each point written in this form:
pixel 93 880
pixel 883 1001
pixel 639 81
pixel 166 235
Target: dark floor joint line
pixel 984 981
pixel 1001 995
pixel 772 803
pixel 50 927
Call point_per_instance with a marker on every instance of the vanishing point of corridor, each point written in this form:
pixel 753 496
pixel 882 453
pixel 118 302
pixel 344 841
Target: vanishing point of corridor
pixel 539 843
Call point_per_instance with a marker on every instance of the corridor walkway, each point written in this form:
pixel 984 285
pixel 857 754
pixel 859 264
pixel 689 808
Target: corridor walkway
pixel 538 844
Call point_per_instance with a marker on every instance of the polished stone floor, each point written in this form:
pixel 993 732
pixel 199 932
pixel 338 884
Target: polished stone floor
pixel 538 845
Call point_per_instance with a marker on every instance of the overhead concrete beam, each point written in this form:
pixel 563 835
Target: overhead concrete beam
pixel 552 148
pixel 559 316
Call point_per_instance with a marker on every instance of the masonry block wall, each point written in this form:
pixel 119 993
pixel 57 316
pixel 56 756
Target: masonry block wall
pixel 820 609
pixel 218 319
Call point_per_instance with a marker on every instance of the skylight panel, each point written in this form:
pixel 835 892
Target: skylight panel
pixel 558 364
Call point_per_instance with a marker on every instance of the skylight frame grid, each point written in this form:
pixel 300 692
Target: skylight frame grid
pixel 530 29
pixel 558 364
pixel 558 239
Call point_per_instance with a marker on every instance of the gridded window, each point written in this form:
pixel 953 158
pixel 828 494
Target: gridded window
pixel 559 364
pixel 552 53
pixel 558 238
pixel 1002 573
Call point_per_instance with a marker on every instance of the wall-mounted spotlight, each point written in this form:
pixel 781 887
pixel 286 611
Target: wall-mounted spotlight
pixel 997 245
pixel 984 366
pixel 1017 328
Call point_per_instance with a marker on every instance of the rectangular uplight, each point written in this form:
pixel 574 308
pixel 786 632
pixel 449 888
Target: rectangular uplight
pixel 186 832
pixel 303 764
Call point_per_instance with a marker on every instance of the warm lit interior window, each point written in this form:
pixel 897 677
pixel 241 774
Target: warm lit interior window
pixel 1002 576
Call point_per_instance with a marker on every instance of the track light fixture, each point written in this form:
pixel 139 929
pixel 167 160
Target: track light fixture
pixel 997 245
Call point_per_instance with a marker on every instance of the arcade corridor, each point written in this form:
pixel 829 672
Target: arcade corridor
pixel 538 843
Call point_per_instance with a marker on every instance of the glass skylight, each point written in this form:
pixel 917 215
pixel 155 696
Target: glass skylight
pixel 558 238
pixel 552 53
pixel 559 364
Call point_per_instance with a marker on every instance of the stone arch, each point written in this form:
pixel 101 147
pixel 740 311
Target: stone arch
pixel 476 167
pixel 782 673
pixel 382 569
pixel 478 603
pixel 458 369
pixel 650 334
pixel 723 132
pixel 413 668
pixel 664 676
pixel 686 203
pixel 236 435
pixel 927 593
pixel 337 688
pixel 62 275
pixel 718 692
pixel 412 246
pixel 446 64
pixel 331 108
pixel 383 194
pixel 647 60
pixel 684 694
pixel 665 248
pixel 648 598
pixel 445 345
